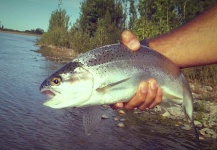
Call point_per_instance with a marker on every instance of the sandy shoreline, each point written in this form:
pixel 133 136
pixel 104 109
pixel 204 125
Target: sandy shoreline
pixel 22 33
pixel 56 53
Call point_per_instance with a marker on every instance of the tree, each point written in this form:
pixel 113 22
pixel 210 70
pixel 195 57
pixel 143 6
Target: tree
pixel 94 10
pixel 188 9
pixel 79 40
pixel 106 31
pixel 57 34
pixel 39 31
pixel 157 16
pixel 161 16
pixel 58 19
pixel 101 21
pixel 133 14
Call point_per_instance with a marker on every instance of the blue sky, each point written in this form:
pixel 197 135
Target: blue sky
pixel 31 14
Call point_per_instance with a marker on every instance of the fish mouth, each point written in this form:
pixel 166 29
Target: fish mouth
pixel 48 93
pixel 53 101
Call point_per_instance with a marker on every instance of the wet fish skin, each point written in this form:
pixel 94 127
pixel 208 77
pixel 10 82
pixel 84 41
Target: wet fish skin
pixel 112 73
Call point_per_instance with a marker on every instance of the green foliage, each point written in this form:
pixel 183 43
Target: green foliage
pixel 190 8
pixel 57 37
pixel 102 21
pixel 59 19
pixel 98 25
pixel 144 28
pixel 39 31
pixel 160 16
pixel 156 17
pixel 206 75
pixel 57 34
pixel 79 40
pixel 133 14
pixel 94 10
pixel 106 32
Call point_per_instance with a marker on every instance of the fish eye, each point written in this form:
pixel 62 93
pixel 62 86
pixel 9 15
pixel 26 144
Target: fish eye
pixel 55 81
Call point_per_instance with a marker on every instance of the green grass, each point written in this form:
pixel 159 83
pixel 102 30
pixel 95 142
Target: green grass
pixel 206 75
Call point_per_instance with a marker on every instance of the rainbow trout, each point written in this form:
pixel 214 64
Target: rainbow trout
pixel 111 74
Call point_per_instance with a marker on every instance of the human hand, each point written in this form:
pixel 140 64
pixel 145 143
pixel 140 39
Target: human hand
pixel 148 94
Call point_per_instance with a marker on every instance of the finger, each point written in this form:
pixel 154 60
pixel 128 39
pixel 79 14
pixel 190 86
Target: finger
pixel 158 99
pixel 117 106
pixel 152 92
pixel 130 40
pixel 139 98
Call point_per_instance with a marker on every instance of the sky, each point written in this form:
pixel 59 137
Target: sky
pixel 31 14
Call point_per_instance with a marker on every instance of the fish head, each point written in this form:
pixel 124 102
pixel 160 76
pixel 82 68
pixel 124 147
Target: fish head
pixel 69 86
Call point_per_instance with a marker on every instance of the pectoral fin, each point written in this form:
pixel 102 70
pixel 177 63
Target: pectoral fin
pixel 91 118
pixel 109 86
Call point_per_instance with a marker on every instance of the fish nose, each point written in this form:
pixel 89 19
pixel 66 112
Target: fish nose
pixel 41 87
pixel 44 84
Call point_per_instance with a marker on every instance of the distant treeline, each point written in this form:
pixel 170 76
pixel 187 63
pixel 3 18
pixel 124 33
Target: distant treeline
pixel 36 31
pixel 102 21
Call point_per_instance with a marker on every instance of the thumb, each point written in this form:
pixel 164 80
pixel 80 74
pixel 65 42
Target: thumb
pixel 130 40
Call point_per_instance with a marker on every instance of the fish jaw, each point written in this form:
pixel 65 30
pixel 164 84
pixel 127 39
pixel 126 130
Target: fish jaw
pixel 52 101
pixel 48 93
pixel 55 100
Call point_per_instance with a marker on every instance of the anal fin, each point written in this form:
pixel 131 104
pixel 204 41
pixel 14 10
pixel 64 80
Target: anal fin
pixel 91 118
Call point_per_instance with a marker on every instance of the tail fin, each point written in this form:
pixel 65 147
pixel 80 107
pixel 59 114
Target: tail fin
pixel 188 104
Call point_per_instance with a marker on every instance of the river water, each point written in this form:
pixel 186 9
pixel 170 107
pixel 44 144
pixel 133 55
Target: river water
pixel 26 124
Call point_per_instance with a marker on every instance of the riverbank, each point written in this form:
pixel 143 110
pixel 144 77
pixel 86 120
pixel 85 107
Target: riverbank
pixel 19 32
pixel 58 54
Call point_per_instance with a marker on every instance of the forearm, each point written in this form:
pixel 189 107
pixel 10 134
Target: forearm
pixel 193 44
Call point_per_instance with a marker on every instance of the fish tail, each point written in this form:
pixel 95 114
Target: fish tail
pixel 196 133
pixel 188 102
pixel 193 125
pixel 188 106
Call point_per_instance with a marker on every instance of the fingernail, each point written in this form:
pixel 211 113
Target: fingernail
pixel 153 85
pixel 118 105
pixel 144 88
pixel 133 44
